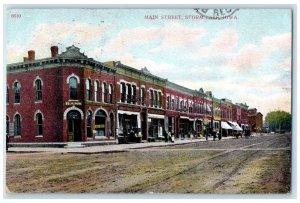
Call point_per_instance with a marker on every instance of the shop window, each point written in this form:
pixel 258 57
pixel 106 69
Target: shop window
pixel 89 124
pixel 112 124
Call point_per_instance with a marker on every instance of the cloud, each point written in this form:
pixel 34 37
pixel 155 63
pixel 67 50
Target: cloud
pixel 155 68
pixel 223 43
pixel 251 56
pixel 286 64
pixel 173 35
pixel 61 34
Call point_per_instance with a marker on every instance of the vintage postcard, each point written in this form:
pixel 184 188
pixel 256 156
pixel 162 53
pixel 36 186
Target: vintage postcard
pixel 148 101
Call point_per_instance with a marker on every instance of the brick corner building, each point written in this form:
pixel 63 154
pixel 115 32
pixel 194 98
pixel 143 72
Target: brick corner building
pixel 70 97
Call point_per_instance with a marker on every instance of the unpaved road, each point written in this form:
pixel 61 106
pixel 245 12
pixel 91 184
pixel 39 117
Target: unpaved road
pixel 235 166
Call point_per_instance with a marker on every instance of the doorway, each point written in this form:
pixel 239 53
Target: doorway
pixel 74 126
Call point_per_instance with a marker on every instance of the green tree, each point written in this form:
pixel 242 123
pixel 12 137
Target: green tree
pixel 279 120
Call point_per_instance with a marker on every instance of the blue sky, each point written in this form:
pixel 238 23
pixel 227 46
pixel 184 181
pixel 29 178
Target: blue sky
pixel 247 59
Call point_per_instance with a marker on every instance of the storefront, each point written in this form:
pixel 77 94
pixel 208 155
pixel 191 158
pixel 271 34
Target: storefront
pixel 128 123
pixel 156 126
pixel 186 127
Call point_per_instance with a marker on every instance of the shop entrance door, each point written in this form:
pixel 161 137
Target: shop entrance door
pixel 74 126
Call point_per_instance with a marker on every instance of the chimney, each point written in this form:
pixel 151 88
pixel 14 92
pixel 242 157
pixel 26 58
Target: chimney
pixel 31 55
pixel 25 59
pixel 54 51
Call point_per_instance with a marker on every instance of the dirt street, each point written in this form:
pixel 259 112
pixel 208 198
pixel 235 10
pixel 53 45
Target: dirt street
pixel 236 166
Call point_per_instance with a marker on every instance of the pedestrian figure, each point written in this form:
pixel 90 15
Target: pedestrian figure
pixel 172 137
pixel 169 137
pixel 166 136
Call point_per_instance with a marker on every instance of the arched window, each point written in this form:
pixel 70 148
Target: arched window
pixel 38 90
pixel 96 88
pixel 7 94
pixel 39 124
pixel 123 92
pixel 73 88
pixel 104 93
pixel 17 88
pixel 112 123
pixel 88 89
pixel 17 124
pixel 89 124
pixel 110 92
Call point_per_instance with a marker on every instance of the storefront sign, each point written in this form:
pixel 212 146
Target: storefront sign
pixel 73 103
pixel 100 126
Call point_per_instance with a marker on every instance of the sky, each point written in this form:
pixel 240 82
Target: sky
pixel 245 58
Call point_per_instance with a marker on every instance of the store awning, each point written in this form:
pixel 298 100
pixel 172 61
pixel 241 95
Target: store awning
pixel 235 126
pixel 156 116
pixel 128 112
pixel 224 125
pixel 184 117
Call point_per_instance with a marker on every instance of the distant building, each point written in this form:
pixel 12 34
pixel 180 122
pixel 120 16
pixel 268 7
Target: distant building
pixel 255 120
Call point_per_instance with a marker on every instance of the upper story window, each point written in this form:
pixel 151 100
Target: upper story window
pixel 185 106
pixel 133 92
pixel 155 99
pixel 88 89
pixel 17 88
pixel 110 92
pixel 39 124
pixel 128 93
pixel 17 124
pixel 96 89
pixel 73 88
pixel 142 96
pixel 151 98
pixel 104 92
pixel 7 94
pixel 123 92
pixel 168 102
pixel 38 90
pixel 181 104
pixel 173 104
pixel 159 99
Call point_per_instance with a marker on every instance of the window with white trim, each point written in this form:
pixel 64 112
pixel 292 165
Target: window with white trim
pixel 73 88
pixel 38 90
pixel 39 124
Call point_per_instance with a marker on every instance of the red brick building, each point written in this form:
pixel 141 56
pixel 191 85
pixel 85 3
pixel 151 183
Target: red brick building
pixel 70 97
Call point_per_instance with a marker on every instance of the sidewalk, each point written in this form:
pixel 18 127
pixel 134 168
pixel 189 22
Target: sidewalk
pixel 109 148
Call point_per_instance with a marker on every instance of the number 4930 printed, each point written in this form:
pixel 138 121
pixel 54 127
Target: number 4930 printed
pixel 15 15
